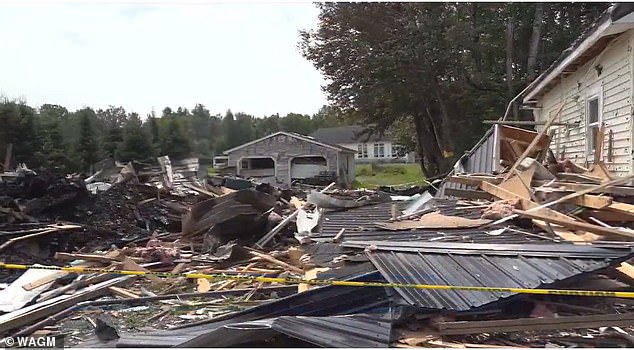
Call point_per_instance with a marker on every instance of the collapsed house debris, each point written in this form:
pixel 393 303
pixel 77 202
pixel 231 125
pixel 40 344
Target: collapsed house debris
pixel 528 242
pixel 505 256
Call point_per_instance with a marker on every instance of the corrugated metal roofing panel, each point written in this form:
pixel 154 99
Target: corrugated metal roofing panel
pixel 478 270
pixel 480 159
pixel 321 301
pixel 356 331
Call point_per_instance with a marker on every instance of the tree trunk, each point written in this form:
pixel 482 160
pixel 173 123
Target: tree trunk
pixel 447 145
pixel 509 63
pixel 475 37
pixel 535 39
pixel 420 132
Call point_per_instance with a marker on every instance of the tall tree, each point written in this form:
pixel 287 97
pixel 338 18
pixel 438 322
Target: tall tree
pixel 87 148
pixel 175 142
pixel 112 120
pixel 136 144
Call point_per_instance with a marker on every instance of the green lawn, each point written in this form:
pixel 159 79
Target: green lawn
pixel 373 175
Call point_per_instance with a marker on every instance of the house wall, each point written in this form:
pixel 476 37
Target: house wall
pixel 282 149
pixel 614 86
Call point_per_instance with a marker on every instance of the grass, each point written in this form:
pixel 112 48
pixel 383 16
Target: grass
pixel 374 175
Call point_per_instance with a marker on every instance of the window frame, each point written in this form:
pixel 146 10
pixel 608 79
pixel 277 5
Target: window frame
pixel 595 93
pixel 379 150
pixel 362 150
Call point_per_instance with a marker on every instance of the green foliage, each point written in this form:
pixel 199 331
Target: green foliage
pixel 87 147
pixel 72 141
pixel 439 67
pixel 373 175
pixel 175 143
pixel 136 142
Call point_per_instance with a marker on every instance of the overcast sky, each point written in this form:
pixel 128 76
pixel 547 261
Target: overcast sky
pixel 144 55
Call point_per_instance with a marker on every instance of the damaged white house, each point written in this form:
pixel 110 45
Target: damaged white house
pixel 594 83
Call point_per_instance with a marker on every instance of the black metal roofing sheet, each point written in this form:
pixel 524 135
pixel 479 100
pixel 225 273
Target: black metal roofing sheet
pixel 359 225
pixel 321 301
pixel 349 331
pixel 568 250
pixel 481 270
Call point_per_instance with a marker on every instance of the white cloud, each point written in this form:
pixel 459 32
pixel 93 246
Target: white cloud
pixel 241 56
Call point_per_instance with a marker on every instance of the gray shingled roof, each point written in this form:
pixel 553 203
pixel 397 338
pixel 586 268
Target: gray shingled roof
pixel 345 134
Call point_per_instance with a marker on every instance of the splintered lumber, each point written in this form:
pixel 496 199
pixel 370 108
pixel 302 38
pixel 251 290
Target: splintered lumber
pixel 267 237
pixel 536 139
pixel 87 257
pixel 47 230
pixel 200 190
pixel 586 200
pixel 599 170
pixel 37 311
pixel 123 293
pixel 476 180
pixel 277 262
pixel 590 201
pixel 535 324
pixel 622 208
pixel 575 225
pixel 501 193
pixel 586 191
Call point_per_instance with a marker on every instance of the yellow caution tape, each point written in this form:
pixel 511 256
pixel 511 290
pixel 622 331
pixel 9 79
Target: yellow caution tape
pixel 88 270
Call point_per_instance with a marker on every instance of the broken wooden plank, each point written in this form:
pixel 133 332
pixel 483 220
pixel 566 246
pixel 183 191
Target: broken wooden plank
pixel 526 204
pixel 122 292
pixel 535 324
pixel 37 311
pixel 591 201
pixel 200 190
pixel 572 177
pixel 277 262
pixel 49 229
pixel 87 257
pixel 622 208
pixel 476 180
pixel 534 142
pixel 575 225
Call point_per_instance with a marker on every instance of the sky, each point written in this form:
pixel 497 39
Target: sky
pixel 146 55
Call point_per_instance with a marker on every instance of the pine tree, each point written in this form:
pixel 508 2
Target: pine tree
pixel 175 142
pixel 87 148
pixel 136 144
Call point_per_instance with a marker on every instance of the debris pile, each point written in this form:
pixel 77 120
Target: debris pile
pixel 534 255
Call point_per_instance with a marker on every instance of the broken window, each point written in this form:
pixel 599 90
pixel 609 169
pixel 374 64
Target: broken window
pixel 594 120
pixel 362 150
pixel 379 150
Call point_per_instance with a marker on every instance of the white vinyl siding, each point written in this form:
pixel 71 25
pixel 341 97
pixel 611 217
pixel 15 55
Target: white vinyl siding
pixel 614 89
